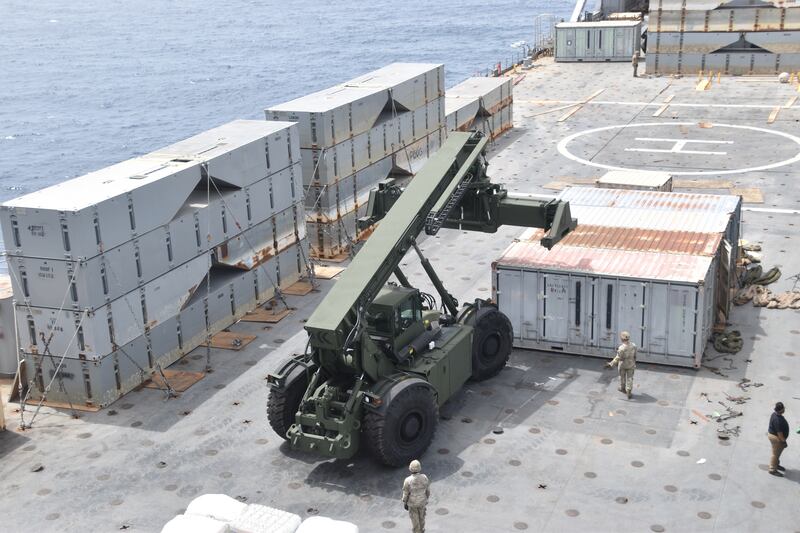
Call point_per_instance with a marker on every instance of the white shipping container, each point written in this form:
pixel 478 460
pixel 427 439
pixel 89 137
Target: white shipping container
pixel 578 300
pixel 616 40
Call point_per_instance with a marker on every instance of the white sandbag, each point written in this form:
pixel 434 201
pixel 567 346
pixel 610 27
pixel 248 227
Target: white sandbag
pixel 194 524
pixel 321 524
pixel 263 519
pixel 218 506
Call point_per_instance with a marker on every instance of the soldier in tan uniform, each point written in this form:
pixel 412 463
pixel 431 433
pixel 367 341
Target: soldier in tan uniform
pixel 635 64
pixel 626 359
pixel 415 496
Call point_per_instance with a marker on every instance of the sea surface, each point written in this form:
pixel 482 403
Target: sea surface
pixel 87 84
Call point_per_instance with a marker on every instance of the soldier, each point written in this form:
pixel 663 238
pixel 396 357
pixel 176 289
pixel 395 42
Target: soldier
pixel 635 63
pixel 626 359
pixel 415 496
pixel 778 433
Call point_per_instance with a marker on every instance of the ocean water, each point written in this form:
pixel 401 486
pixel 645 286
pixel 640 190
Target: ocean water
pixel 87 84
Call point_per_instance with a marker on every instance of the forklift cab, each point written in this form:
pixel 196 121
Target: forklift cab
pixel 394 318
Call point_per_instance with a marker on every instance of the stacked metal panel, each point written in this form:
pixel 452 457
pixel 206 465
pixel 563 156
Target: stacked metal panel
pixel 730 37
pixel 129 268
pixel 356 134
pixel 481 103
pixel 655 264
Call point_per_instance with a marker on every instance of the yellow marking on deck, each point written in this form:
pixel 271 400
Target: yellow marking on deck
pixel 790 102
pixel 750 196
pixel 555 185
pixel 569 113
pixel 701 184
pixel 703 85
pixel 669 98
pixel 660 110
pixel 577 108
pixel 773 115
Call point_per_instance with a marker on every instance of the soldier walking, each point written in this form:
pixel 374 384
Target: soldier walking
pixel 635 63
pixel 626 359
pixel 415 496
pixel 778 433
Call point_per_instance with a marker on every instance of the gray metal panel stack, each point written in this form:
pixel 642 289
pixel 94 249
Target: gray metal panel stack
pixel 358 133
pixel 482 104
pixel 129 268
pixel 728 37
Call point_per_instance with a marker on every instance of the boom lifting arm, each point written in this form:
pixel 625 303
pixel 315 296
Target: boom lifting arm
pixel 317 399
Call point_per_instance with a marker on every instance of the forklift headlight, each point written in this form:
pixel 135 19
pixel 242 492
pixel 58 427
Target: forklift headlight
pixel 373 400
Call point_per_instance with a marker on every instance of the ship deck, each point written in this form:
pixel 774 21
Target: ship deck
pixel 573 453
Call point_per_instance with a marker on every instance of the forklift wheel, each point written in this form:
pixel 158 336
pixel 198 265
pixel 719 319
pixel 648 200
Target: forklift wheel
pixel 491 343
pixel 404 429
pixel 282 404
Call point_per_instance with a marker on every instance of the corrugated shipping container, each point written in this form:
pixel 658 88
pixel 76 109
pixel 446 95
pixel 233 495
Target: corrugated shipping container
pixel 616 40
pixel 682 204
pixel 577 300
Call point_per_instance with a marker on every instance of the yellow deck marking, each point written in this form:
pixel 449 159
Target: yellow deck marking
pixel 790 102
pixel 773 115
pixel 660 110
pixel 669 98
pixel 703 85
pixel 750 196
pixel 569 113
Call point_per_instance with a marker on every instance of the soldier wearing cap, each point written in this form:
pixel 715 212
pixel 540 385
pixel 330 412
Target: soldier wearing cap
pixel 415 496
pixel 626 359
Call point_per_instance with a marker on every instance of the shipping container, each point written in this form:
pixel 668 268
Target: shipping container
pixel 615 40
pixel 241 152
pixel 578 300
pixel 461 112
pixel 681 205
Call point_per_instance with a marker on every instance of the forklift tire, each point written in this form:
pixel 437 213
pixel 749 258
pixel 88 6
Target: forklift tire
pixel 282 404
pixel 491 342
pixel 402 430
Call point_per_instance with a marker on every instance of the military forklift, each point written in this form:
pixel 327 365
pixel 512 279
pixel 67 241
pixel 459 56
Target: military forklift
pixel 382 356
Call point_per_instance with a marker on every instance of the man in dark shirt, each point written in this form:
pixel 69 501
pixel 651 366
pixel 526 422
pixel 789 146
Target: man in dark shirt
pixel 778 433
